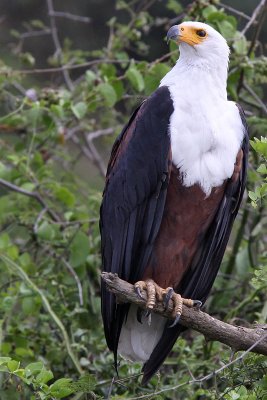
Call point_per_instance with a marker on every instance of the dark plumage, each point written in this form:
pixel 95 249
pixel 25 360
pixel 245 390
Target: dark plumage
pixel 154 227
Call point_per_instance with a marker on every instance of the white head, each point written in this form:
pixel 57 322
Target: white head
pixel 200 45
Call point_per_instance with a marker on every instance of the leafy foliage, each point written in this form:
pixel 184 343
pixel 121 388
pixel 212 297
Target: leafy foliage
pixel 54 141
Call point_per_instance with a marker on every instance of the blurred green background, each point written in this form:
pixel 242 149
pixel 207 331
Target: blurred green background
pixel 57 127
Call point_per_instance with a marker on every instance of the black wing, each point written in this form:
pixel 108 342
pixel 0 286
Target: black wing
pixel 199 279
pixel 133 201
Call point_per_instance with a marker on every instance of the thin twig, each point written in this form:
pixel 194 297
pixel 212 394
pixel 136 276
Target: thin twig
pixel 100 132
pixel 73 17
pixel 57 42
pixel 163 58
pixel 90 151
pixel 85 150
pixel 96 158
pixel 35 33
pixel 34 195
pixel 83 65
pixel 255 96
pixel 38 219
pixel 204 378
pixel 258 30
pixel 235 11
pixel 253 41
pixel 77 279
pixel 254 16
pixel 68 67
pixel 22 274
pixel 241 357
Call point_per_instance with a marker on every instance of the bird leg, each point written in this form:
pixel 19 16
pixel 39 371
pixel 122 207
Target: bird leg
pixel 156 293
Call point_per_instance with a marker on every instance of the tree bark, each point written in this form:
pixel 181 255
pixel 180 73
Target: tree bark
pixel 236 337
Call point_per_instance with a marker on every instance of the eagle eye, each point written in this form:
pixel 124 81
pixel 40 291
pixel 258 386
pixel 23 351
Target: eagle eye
pixel 201 32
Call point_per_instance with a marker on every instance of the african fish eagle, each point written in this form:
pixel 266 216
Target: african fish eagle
pixel 174 184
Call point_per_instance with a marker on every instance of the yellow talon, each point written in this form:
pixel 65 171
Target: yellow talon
pixel 156 293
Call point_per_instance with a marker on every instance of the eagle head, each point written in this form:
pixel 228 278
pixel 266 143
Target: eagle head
pixel 198 40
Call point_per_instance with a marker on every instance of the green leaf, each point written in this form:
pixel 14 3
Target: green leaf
pixel 135 78
pixel 240 44
pixel 108 92
pixel 44 376
pixel 4 241
pixel 260 146
pixel 27 58
pixel 119 89
pixel 108 70
pixel 122 55
pixel 20 372
pixel 46 231
pixel 30 305
pixel 174 6
pixel 61 388
pixel 90 77
pixel 252 195
pixel 262 169
pixel 37 23
pixel 3 170
pixel 15 33
pixel 65 196
pixel 57 110
pixel 207 11
pixel 79 109
pixel 12 252
pixel 23 352
pixel 33 368
pixel 4 360
pixel 226 29
pixel 85 384
pixel 79 249
pixel 13 365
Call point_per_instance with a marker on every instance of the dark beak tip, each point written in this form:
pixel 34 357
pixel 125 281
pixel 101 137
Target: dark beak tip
pixel 172 33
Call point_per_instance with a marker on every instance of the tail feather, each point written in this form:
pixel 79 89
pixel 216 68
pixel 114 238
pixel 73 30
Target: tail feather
pixel 138 340
pixel 161 351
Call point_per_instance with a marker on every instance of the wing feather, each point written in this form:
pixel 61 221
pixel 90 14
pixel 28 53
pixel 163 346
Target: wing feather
pixel 133 201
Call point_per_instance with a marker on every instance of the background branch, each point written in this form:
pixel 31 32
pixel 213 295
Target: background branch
pixel 34 195
pixel 254 16
pixel 68 15
pixel 57 42
pixel 237 337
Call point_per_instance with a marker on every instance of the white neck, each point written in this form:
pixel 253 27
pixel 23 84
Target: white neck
pixel 194 70
pixel 205 129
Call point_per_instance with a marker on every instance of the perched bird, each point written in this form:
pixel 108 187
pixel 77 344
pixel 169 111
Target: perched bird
pixel 174 184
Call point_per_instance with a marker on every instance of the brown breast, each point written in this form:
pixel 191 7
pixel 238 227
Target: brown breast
pixel 188 214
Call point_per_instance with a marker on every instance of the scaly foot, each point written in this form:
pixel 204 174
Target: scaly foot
pixel 156 293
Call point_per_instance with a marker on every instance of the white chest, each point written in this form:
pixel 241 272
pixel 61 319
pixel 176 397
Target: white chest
pixel 206 133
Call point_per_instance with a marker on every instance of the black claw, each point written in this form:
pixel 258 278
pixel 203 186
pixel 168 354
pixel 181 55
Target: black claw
pixel 177 319
pixel 197 303
pixel 167 298
pixel 147 313
pixel 139 314
pixel 138 291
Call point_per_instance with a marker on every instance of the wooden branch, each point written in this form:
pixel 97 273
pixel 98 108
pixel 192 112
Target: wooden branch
pixel 236 337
